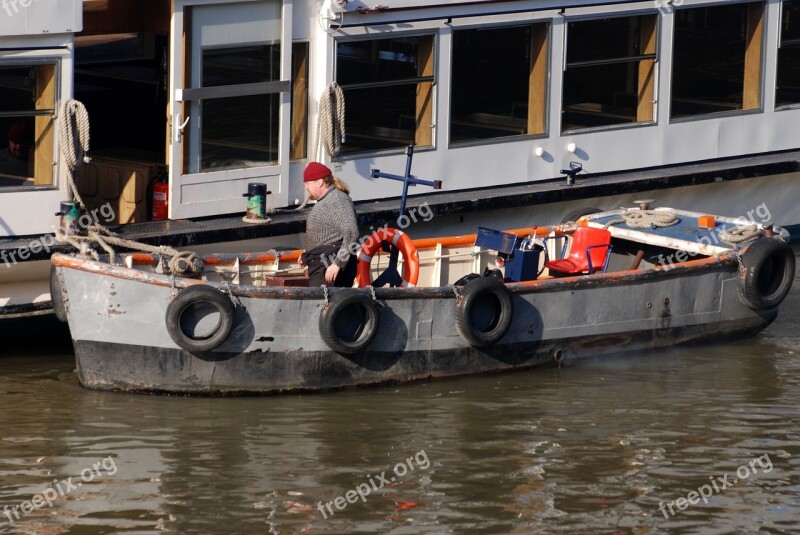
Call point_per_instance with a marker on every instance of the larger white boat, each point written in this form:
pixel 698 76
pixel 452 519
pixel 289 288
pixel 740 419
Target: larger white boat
pixel 517 107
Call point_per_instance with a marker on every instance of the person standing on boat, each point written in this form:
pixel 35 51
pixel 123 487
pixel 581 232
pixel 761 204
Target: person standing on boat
pixel 331 230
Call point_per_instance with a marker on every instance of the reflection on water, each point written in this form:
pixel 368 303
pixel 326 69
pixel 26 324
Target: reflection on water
pixel 596 447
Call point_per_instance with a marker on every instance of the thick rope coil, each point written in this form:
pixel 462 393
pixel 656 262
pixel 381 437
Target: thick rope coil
pixel 73 128
pixel 739 234
pixel 330 126
pixel 647 218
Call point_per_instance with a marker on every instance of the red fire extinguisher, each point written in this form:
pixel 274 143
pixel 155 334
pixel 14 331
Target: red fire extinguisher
pixel 160 196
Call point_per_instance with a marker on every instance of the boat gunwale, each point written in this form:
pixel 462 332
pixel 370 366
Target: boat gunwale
pixel 724 262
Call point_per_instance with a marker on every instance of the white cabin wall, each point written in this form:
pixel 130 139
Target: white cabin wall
pixel 510 161
pixel 31 212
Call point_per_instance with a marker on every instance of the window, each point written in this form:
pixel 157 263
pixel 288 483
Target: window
pixel 388 91
pixel 717 59
pixel 610 72
pixel 27 104
pixel 499 82
pixel 788 89
pixel 240 131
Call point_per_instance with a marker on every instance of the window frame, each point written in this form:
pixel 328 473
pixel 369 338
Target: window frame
pixel 431 79
pixel 546 86
pixel 57 63
pixel 760 108
pixel 654 57
pixel 791 42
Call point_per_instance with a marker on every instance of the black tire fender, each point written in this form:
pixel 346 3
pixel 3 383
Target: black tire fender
pixel 484 311
pixel 191 310
pixel 57 296
pixel 767 275
pixel 350 321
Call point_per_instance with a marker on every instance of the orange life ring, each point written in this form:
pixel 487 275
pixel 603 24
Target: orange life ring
pixel 398 239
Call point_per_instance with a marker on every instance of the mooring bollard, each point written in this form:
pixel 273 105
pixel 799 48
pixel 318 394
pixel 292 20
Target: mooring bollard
pixel 256 202
pixel 70 213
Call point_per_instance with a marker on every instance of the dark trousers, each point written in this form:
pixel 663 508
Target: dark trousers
pixel 319 258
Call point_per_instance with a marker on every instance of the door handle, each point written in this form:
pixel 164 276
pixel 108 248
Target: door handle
pixel 178 127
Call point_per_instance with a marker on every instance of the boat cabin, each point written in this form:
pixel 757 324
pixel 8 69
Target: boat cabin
pixel 211 96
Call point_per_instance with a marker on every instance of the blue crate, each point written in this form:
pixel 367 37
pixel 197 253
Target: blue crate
pixel 523 266
pixel 502 242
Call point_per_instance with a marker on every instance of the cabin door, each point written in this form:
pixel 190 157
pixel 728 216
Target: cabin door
pixel 229 103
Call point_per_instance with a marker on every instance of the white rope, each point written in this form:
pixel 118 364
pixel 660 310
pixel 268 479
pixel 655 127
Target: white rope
pixel 649 218
pixel 739 234
pixel 330 126
pixel 181 263
pixel 73 129
pixel 73 141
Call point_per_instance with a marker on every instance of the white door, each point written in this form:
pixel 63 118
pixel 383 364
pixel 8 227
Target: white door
pixel 230 92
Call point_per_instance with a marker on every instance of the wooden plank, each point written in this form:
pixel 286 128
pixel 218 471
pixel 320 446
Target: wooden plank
pixel 44 129
pixel 752 56
pixel 299 122
pixel 424 108
pixel 537 80
pixel 647 69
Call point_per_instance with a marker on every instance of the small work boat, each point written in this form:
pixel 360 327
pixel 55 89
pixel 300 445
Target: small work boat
pixel 627 280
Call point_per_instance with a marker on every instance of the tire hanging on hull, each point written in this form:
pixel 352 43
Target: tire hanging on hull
pixel 349 322
pixel 484 311
pixel 188 312
pixel 767 273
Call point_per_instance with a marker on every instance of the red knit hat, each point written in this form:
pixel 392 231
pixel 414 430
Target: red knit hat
pixel 315 171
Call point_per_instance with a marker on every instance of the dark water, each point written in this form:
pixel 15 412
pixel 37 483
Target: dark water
pixel 594 448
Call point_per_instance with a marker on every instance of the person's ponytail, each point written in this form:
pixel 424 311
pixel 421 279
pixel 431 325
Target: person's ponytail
pixel 341 186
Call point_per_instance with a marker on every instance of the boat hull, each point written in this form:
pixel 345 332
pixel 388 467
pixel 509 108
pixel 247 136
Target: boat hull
pixel 275 345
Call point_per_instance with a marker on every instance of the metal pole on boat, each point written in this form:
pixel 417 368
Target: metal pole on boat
pixel 390 275
pixel 408 179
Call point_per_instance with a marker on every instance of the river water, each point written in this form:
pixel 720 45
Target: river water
pixel 688 440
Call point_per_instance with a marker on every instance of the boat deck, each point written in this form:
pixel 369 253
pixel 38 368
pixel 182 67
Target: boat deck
pixel 688 234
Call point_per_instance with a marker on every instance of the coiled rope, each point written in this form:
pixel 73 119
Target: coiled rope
pixel 73 127
pixel 739 234
pixel 330 126
pixel 637 218
pixel 73 141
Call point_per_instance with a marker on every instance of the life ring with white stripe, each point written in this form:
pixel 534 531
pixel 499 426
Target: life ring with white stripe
pixel 398 239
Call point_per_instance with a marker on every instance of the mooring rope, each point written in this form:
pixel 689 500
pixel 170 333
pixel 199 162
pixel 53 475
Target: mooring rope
pixel 73 126
pixel 73 141
pixel 636 218
pixel 739 234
